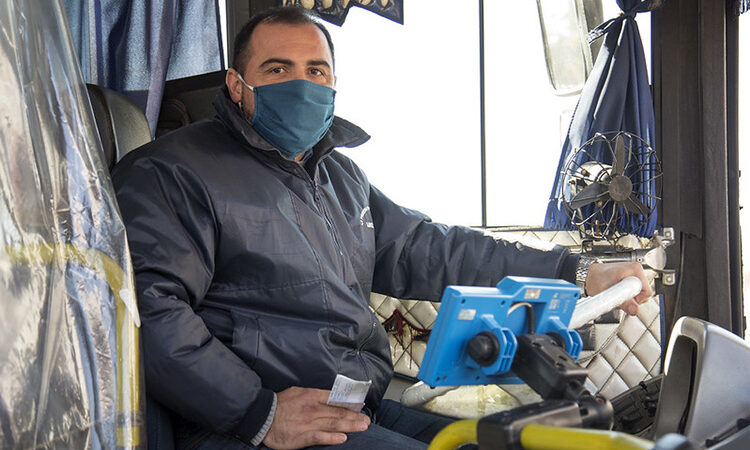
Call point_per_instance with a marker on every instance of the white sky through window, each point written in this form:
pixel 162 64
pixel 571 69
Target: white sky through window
pixel 415 90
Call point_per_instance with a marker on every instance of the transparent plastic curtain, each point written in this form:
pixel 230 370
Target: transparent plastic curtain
pixel 616 97
pixel 70 374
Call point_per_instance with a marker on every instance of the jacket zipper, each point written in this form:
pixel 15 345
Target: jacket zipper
pixel 362 344
pixel 329 224
pixel 337 245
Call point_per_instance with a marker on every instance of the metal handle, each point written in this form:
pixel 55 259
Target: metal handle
pixel 589 308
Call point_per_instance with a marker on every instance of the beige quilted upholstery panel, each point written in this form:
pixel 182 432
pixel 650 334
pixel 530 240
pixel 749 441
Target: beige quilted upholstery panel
pixel 419 313
pixel 626 353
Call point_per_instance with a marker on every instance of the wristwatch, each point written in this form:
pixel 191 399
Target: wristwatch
pixel 582 271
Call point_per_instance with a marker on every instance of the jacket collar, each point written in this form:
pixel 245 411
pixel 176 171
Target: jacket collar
pixel 341 134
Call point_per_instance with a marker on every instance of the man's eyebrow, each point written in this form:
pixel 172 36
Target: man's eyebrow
pixel 319 62
pixel 286 62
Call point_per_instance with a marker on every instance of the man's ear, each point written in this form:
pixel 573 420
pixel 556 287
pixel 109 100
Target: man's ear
pixel 234 85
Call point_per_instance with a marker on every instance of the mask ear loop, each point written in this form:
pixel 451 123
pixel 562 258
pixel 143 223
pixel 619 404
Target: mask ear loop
pixel 246 85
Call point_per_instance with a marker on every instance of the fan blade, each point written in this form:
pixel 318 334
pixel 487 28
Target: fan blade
pixel 619 165
pixel 589 194
pixel 635 205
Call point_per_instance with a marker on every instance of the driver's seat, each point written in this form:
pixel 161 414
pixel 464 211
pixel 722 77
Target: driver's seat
pixel 121 123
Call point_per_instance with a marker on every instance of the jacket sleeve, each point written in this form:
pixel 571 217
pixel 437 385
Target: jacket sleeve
pixel 416 258
pixel 172 233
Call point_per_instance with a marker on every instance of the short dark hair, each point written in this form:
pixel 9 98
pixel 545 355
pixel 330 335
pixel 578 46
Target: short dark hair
pixel 290 15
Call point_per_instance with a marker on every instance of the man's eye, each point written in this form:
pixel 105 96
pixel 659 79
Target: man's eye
pixel 316 72
pixel 277 70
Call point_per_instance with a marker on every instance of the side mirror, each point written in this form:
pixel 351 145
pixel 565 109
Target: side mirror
pixel 569 56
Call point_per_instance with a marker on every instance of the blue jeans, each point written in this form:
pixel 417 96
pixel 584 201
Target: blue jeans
pixel 393 427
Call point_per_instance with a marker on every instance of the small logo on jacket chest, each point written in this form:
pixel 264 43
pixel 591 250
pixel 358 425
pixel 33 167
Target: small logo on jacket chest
pixel 363 220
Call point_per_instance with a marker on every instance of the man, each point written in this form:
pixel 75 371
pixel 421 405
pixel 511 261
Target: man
pixel 256 246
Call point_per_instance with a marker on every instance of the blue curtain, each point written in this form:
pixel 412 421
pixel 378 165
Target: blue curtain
pixel 134 46
pixel 616 97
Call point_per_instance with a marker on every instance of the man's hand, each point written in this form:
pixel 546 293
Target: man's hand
pixel 303 419
pixel 601 276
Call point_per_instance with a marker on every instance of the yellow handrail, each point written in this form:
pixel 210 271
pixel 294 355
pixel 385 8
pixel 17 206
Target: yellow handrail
pixel 130 420
pixel 455 435
pixel 542 437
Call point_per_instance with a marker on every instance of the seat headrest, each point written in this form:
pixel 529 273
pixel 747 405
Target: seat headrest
pixel 121 123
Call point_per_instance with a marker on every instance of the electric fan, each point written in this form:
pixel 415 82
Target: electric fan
pixel 610 185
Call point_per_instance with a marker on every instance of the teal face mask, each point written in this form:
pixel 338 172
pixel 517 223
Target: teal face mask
pixel 292 115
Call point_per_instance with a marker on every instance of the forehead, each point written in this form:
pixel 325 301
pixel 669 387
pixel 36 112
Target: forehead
pixel 295 42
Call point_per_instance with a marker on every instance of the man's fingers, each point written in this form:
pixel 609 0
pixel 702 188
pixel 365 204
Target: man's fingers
pixel 646 292
pixel 643 296
pixel 630 307
pixel 321 438
pixel 317 395
pixel 335 412
pixel 308 439
pixel 349 423
pixel 342 426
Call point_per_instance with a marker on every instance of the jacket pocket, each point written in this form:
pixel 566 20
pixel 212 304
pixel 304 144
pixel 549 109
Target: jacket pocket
pixel 246 337
pixel 265 233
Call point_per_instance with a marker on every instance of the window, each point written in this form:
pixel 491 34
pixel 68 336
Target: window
pixel 415 89
pixel 526 121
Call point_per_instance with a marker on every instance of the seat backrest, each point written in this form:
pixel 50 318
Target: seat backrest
pixel 187 100
pixel 121 123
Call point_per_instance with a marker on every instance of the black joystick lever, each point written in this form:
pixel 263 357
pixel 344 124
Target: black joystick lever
pixel 484 348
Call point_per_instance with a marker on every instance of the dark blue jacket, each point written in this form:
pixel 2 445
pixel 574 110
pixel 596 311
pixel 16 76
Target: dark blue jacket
pixel 253 272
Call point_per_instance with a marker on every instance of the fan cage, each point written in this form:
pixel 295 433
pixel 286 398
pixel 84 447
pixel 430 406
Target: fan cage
pixel 593 162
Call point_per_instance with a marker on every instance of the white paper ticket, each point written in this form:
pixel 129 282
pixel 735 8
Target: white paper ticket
pixel 348 393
